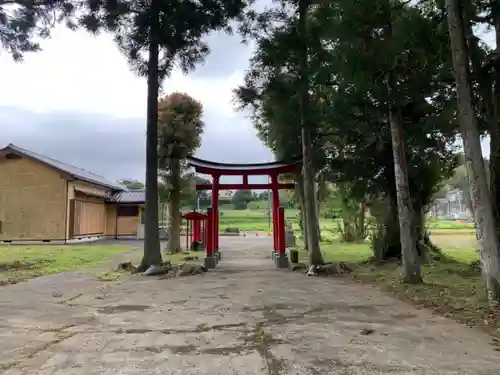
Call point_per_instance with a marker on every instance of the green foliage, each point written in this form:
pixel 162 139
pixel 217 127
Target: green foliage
pixel 177 26
pixel 241 198
pixel 24 23
pixel 180 126
pixel 352 213
pixel 132 184
pixel 352 48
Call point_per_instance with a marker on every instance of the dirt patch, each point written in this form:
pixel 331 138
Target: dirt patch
pixel 226 350
pixel 122 309
pixel 403 316
pixel 263 343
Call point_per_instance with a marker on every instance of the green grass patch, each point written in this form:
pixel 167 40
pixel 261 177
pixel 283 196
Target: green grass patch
pixel 251 219
pixel 434 224
pixel 18 262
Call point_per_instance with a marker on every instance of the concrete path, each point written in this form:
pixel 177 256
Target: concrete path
pixel 246 317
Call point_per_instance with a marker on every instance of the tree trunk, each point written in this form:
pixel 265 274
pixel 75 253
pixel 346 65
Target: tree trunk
pixel 152 251
pixel 494 129
pixel 361 221
pixel 300 191
pixel 315 256
pixel 174 235
pixel 386 243
pixel 316 199
pixel 476 173
pixel 410 259
pixel 488 90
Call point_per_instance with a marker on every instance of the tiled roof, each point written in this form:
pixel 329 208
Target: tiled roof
pixel 131 196
pixel 75 172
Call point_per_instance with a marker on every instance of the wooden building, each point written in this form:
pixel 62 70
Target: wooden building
pixel 45 200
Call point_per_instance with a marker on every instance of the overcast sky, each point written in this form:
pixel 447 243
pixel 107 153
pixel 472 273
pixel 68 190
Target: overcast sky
pixel 77 101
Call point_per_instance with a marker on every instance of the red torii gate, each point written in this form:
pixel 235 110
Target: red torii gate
pixel 216 170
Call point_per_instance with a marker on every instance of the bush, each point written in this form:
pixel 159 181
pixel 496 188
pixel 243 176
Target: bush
pixel 232 230
pixel 240 205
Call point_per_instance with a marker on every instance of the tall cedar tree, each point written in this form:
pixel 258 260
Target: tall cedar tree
pixel 276 89
pixel 311 213
pixel 179 129
pixel 156 36
pixel 476 172
pixel 347 97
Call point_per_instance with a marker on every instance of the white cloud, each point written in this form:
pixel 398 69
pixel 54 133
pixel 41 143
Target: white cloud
pixel 77 71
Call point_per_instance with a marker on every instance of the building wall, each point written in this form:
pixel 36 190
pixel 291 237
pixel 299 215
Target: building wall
pixel 452 205
pixel 127 226
pixel 110 220
pixel 88 215
pixel 32 201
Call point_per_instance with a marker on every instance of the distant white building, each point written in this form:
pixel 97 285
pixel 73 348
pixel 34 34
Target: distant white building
pixel 224 195
pixel 453 205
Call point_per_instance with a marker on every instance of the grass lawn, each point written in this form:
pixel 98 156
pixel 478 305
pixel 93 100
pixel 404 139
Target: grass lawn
pixel 20 262
pixel 453 287
pixel 433 224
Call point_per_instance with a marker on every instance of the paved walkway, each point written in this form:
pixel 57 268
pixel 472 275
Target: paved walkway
pixel 246 317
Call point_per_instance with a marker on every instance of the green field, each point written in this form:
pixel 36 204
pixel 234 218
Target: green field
pixel 257 219
pixel 449 225
pixel 251 220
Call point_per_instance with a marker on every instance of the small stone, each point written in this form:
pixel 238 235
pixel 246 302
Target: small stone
pixel 57 295
pixel 367 331
pixel 312 271
pixel 157 270
pixel 333 269
pixel 190 269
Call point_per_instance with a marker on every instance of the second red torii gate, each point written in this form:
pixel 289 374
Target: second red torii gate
pixel 216 170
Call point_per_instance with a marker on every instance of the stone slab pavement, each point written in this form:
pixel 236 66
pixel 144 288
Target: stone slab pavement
pixel 246 317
